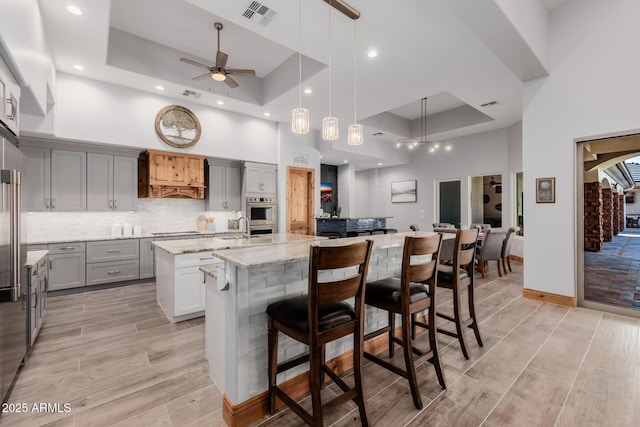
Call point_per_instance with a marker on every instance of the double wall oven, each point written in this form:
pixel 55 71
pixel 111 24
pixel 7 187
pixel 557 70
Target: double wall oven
pixel 263 215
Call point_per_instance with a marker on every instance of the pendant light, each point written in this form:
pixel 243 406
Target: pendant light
pixel 330 123
pixel 300 116
pixel 355 133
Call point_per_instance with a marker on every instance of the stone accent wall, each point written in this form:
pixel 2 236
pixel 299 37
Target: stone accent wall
pixel 593 236
pixel 616 214
pixel 607 214
pixel 329 174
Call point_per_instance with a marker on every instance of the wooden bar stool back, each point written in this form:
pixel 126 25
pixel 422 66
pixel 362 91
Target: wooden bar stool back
pixel 456 277
pixel 414 291
pixel 318 318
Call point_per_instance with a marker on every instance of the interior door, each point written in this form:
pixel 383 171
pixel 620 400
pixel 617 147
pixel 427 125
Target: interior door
pixel 449 195
pixel 300 200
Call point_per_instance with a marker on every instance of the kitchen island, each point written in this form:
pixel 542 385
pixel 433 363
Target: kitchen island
pixel 180 284
pixel 236 319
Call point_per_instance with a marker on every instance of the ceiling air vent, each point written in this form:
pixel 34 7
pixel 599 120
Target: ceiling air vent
pixel 377 134
pixel 258 12
pixel 191 93
pixel 489 104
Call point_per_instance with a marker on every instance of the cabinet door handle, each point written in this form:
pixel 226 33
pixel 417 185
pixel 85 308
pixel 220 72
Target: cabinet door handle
pixel 205 259
pixel 46 283
pixel 50 264
pixel 115 204
pixel 113 272
pixel 113 250
pixel 48 203
pixel 14 108
pixel 53 203
pixel 67 248
pixel 110 204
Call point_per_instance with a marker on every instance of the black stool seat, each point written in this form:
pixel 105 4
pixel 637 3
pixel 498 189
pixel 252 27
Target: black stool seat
pixel 389 291
pixel 294 313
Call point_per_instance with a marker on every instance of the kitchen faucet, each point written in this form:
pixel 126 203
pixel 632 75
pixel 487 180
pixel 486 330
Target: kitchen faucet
pixel 248 232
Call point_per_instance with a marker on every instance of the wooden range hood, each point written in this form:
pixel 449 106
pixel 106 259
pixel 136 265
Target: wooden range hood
pixel 165 174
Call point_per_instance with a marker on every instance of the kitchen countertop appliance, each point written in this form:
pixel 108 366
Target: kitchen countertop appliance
pixel 13 255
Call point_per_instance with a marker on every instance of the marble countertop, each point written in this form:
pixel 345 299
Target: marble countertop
pixel 260 256
pixel 92 237
pixel 356 217
pixel 177 247
pixel 210 270
pixel 33 257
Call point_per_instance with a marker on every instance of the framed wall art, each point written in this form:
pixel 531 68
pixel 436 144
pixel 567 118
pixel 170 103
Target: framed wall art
pixel 178 126
pixel 404 191
pixel 545 190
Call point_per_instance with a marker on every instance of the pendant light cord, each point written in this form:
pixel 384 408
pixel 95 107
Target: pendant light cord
pixel 330 66
pixel 355 86
pixel 300 48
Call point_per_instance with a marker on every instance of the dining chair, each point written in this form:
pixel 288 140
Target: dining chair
pixel 456 277
pixel 411 293
pixel 320 317
pixel 491 249
pixel 506 249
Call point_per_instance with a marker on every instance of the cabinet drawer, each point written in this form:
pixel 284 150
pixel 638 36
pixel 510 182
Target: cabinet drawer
pixel 63 248
pixel 42 247
pixel 112 271
pixel 113 250
pixel 192 260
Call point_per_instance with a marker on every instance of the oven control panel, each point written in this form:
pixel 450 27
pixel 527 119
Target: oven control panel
pixel 261 199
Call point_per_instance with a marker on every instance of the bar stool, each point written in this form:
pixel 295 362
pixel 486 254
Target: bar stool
pixel 412 293
pixel 318 318
pixel 455 277
pixel 329 234
pixel 358 233
pixel 377 231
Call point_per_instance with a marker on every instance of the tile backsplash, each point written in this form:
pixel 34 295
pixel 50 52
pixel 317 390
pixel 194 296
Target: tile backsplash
pixel 153 215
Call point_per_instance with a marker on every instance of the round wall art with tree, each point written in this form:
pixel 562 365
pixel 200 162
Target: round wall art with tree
pixel 178 126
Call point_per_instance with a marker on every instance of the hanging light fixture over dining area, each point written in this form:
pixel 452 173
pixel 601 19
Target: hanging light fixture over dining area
pixel 300 115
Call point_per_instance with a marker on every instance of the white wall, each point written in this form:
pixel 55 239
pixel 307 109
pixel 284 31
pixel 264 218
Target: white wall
pixel 288 145
pixel 485 153
pixel 92 111
pixel 592 90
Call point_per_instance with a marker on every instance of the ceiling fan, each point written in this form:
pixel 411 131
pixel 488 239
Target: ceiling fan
pixel 219 72
pixel 493 183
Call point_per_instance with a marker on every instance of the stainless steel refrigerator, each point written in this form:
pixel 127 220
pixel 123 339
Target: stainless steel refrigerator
pixel 13 281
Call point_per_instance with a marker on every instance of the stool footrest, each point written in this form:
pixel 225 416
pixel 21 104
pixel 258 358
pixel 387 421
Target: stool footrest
pixel 302 413
pixel 284 366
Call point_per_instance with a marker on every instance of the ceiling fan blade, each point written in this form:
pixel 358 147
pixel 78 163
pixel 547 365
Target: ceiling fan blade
pixel 230 82
pixel 221 59
pixel 202 77
pixel 197 64
pixel 239 72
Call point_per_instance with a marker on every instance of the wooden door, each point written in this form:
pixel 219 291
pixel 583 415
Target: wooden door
pixel 300 200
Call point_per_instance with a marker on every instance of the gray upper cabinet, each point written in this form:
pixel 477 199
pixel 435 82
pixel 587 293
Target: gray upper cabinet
pixel 225 188
pixel 260 178
pixel 68 180
pixel 112 183
pixel 38 178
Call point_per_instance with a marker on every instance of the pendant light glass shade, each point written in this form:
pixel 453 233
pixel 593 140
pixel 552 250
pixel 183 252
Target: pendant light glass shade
pixel 300 115
pixel 300 120
pixel 355 134
pixel 330 128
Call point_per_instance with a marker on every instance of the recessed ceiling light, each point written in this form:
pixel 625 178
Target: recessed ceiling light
pixel 220 102
pixel 320 156
pixel 345 161
pixel 159 87
pixel 448 148
pixel 267 114
pixel 432 150
pixel 379 164
pixel 74 10
pixel 308 91
pixel 398 145
pixel 78 67
pixel 411 146
pixel 436 145
pixel 372 53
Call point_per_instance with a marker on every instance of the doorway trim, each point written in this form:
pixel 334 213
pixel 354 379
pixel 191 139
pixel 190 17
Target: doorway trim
pixel 311 185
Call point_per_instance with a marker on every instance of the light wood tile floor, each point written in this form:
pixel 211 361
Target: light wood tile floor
pixel 113 356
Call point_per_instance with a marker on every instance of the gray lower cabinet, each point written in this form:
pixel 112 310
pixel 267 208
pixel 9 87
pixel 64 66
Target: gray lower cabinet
pixel 66 270
pixel 146 258
pixel 112 261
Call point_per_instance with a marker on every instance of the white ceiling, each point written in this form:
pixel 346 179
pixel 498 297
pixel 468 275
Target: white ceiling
pixel 425 49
